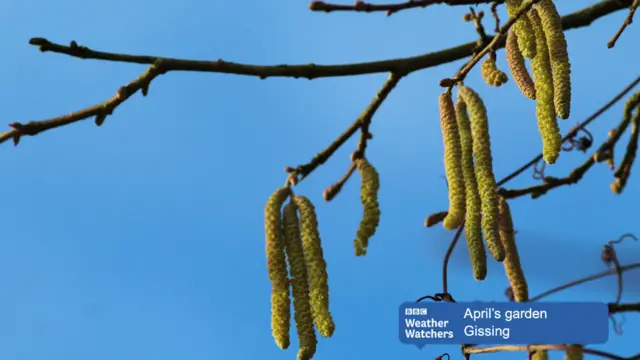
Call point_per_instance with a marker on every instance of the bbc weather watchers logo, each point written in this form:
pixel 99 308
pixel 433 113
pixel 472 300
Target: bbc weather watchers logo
pixel 415 311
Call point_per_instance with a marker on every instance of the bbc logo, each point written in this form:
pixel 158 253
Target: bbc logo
pixel 415 311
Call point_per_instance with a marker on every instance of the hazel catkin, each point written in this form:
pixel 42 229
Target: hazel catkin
pixel 545 109
pixel 517 67
pixel 452 162
pixel 277 268
pixel 487 185
pixel 522 27
pixel 369 198
pixel 512 266
pixel 491 74
pixel 316 267
pixel 299 283
pixel 559 55
pixel 472 224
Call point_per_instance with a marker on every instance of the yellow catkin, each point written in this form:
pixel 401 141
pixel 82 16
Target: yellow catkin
pixel 369 198
pixel 299 283
pixel 452 162
pixel 512 266
pixel 491 74
pixel 545 110
pixel 277 268
pixel 472 224
pixel 540 355
pixel 574 352
pixel 484 170
pixel 524 31
pixel 316 267
pixel 557 44
pixel 518 68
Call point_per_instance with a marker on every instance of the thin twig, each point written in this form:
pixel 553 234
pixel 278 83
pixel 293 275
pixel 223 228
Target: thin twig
pixel 389 9
pixel 492 46
pixel 364 120
pixel 447 256
pixel 367 116
pixel 627 21
pixel 584 280
pixel 494 13
pixel 334 189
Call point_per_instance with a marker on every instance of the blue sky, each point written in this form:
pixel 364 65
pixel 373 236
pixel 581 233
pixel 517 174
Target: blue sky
pixel 143 239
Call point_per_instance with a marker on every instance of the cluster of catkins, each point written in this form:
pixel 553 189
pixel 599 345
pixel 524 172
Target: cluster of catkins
pixel 473 195
pixel 292 238
pixel 538 36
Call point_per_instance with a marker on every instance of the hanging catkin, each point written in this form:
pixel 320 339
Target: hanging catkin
pixel 522 28
pixel 316 267
pixel 484 170
pixel 545 110
pixel 369 198
pixel 560 66
pixel 517 67
pixel 277 268
pixel 299 283
pixel 511 262
pixel 452 162
pixel 472 224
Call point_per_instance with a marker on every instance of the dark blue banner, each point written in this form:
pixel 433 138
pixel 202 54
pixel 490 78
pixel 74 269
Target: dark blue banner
pixel 504 323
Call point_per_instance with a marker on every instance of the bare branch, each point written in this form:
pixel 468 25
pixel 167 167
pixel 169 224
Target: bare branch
pixel 389 9
pixel 627 22
pixel 578 19
pixel 302 171
pixel 160 65
pixel 495 349
pixel 586 280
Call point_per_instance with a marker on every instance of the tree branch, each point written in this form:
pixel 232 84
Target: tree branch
pixel 361 6
pixel 362 122
pixel 585 280
pixel 160 65
pixel 625 23
pixel 495 349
